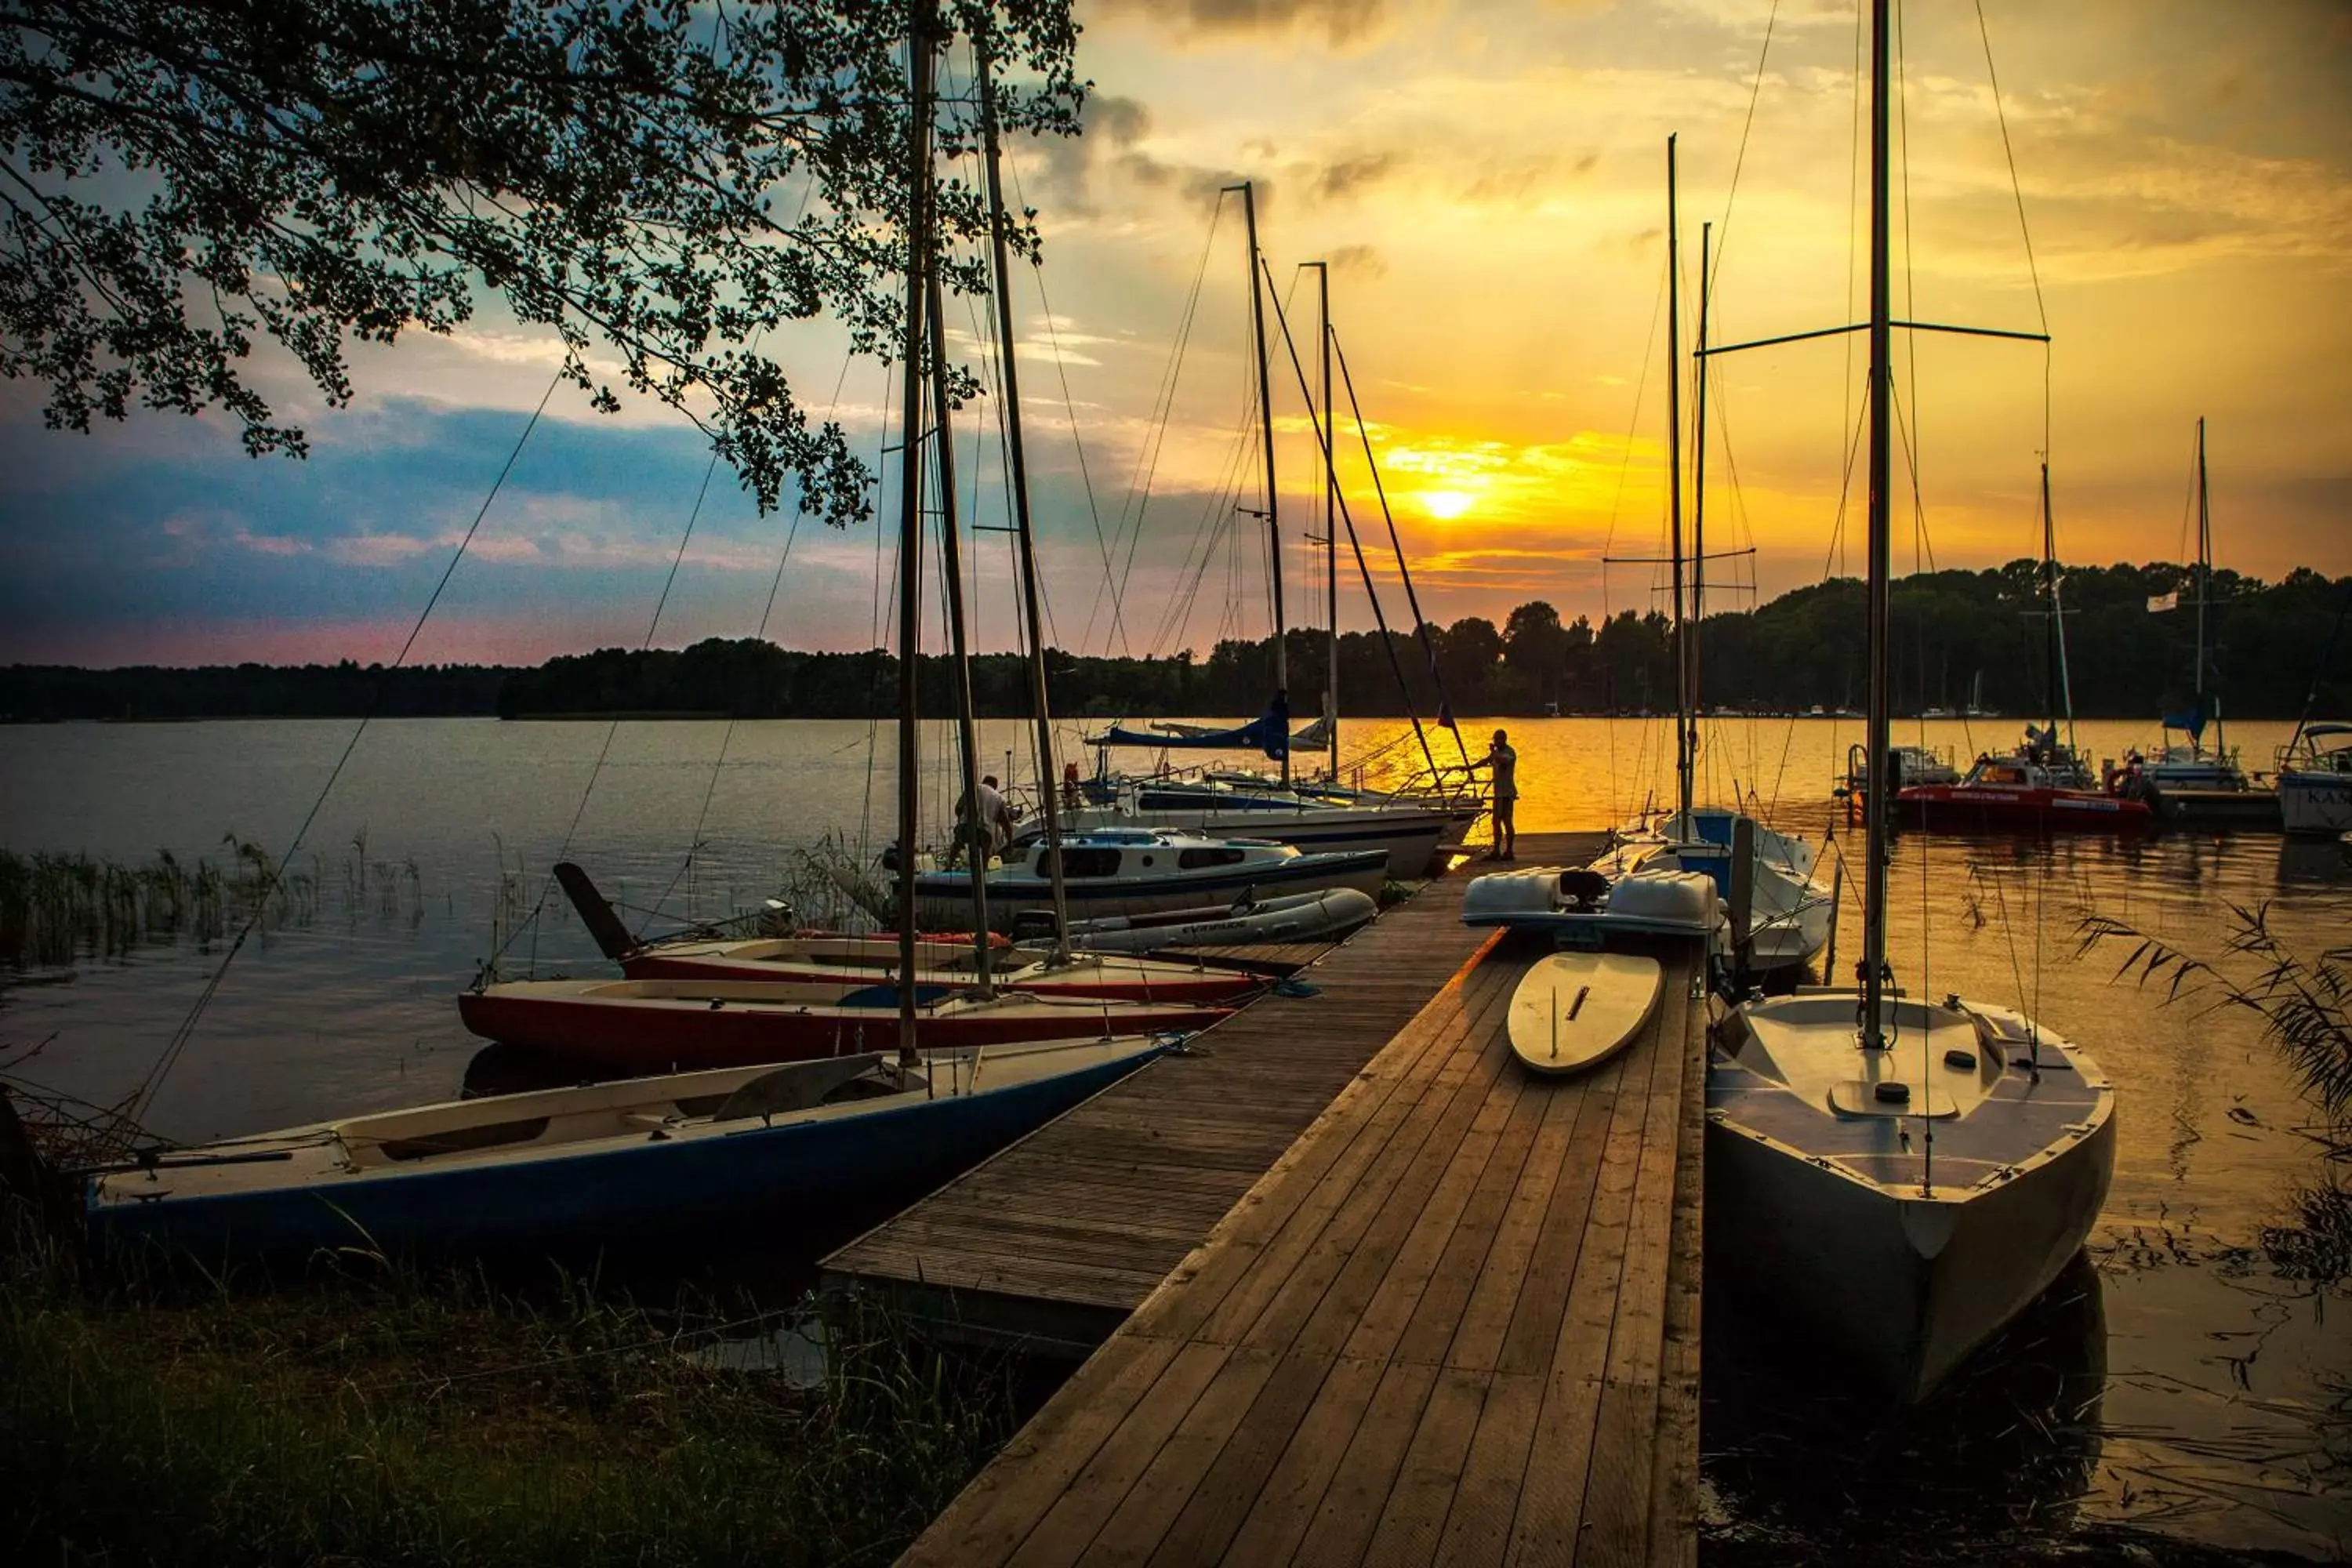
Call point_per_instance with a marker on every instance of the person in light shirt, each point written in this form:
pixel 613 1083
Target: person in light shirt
pixel 1504 762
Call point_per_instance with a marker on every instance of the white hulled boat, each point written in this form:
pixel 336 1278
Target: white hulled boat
pixel 2315 780
pixel 1134 871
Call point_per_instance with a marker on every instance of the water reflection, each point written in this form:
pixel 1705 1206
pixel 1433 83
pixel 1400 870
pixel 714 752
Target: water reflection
pixel 2224 1414
pixel 2009 1445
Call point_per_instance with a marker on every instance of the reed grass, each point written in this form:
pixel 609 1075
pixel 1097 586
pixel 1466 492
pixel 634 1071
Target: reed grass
pixel 378 1416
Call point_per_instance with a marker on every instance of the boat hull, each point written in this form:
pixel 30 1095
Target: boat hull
pixel 2317 802
pixel 1015 893
pixel 1893 1293
pixel 1409 838
pixel 1104 981
pixel 2022 809
pixel 2185 806
pixel 678 1035
pixel 789 1179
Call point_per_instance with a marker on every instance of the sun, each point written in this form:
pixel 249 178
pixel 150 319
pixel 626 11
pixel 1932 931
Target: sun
pixel 1447 505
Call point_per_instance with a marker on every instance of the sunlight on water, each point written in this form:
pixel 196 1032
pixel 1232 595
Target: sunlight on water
pixel 2220 1397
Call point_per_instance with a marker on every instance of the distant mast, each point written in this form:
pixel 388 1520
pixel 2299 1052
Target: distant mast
pixel 1683 726
pixel 1266 434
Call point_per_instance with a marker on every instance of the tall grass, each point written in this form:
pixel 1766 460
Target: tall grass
pixel 392 1419
pixel 57 907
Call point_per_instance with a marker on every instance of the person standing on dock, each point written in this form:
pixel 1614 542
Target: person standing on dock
pixel 1505 761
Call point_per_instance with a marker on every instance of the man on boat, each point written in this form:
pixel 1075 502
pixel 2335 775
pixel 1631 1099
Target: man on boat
pixel 988 824
pixel 1506 764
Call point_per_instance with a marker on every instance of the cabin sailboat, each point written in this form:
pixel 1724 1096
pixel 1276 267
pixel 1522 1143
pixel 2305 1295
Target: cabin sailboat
pixel 1892 1177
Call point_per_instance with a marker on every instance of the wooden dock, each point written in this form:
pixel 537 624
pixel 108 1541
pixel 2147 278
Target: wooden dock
pixel 1056 1240
pixel 1457 1321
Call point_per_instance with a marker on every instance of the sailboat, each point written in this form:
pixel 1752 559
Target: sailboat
pixel 748 1144
pixel 1892 1177
pixel 1648 882
pixel 2188 781
pixel 2042 786
pixel 1407 827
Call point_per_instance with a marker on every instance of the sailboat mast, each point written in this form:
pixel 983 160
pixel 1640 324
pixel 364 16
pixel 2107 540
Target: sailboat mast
pixel 960 651
pixel 1878 734
pixel 1024 534
pixel 1698 474
pixel 2204 577
pixel 1682 727
pixel 1330 520
pixel 2062 683
pixel 910 494
pixel 1266 441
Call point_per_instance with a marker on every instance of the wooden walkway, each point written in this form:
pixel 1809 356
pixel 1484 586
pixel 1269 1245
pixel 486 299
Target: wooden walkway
pixel 1056 1240
pixel 1457 1323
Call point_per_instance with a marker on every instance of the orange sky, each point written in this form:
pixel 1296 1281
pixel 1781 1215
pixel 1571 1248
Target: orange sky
pixel 1487 181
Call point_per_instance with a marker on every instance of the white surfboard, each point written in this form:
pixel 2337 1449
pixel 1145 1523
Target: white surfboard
pixel 1575 1010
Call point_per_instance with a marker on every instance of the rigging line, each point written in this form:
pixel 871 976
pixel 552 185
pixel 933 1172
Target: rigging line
pixel 883 605
pixel 152 1082
pixel 726 740
pixel 1852 231
pixel 1846 488
pixel 1405 572
pixel 1070 404
pixel 1921 549
pixel 2031 267
pixel 1140 484
pixel 1209 536
pixel 1608 538
pixel 1755 89
pixel 1323 433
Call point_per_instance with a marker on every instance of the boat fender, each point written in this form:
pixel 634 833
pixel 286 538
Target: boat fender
pixel 1964 1060
pixel 1887 1091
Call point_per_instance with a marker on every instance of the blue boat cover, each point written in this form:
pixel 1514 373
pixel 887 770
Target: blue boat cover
pixel 1269 732
pixel 2191 724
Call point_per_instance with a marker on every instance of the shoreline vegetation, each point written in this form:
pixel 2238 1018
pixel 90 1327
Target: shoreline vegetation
pixel 1961 638
pixel 373 1414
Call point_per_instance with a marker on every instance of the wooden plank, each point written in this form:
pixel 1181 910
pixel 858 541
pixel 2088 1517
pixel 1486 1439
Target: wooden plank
pixel 1486 1316
pixel 1073 1512
pixel 1240 1471
pixel 1617 1493
pixel 1279 1521
pixel 1674 1496
pixel 1141 1521
pixel 1422 1493
pixel 1360 1488
pixel 1478 1525
pixel 991 1518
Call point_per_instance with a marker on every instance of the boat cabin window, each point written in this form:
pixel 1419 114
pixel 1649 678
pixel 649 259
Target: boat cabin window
pixel 2002 775
pixel 1197 859
pixel 1080 861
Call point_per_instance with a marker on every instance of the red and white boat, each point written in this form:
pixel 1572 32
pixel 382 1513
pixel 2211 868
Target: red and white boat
pixel 2019 795
pixel 874 960
pixel 675 1026
pixel 862 961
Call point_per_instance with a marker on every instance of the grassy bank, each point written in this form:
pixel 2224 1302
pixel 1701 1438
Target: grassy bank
pixel 406 1420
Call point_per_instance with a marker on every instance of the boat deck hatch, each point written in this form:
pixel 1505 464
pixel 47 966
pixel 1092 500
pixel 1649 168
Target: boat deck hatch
pixel 1889 1097
pixel 464 1139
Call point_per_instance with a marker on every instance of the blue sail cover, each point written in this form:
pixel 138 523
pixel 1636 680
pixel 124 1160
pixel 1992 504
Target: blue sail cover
pixel 1268 732
pixel 2191 724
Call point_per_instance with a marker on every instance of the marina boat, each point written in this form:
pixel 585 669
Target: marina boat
pixel 1583 908
pixel 2019 794
pixel 1915 765
pixel 873 959
pixel 755 1151
pixel 2187 780
pixel 664 1025
pixel 1889 1178
pixel 1130 871
pixel 1294 917
pixel 1407 833
pixel 2315 780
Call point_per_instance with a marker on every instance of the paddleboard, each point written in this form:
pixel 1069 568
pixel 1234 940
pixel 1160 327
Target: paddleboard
pixel 1575 1010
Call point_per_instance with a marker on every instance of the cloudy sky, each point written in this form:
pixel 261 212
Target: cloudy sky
pixel 1488 184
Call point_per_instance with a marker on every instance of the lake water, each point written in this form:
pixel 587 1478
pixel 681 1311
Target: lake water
pixel 2190 1382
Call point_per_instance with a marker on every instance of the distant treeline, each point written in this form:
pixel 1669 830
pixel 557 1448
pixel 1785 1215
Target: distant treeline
pixel 1958 637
